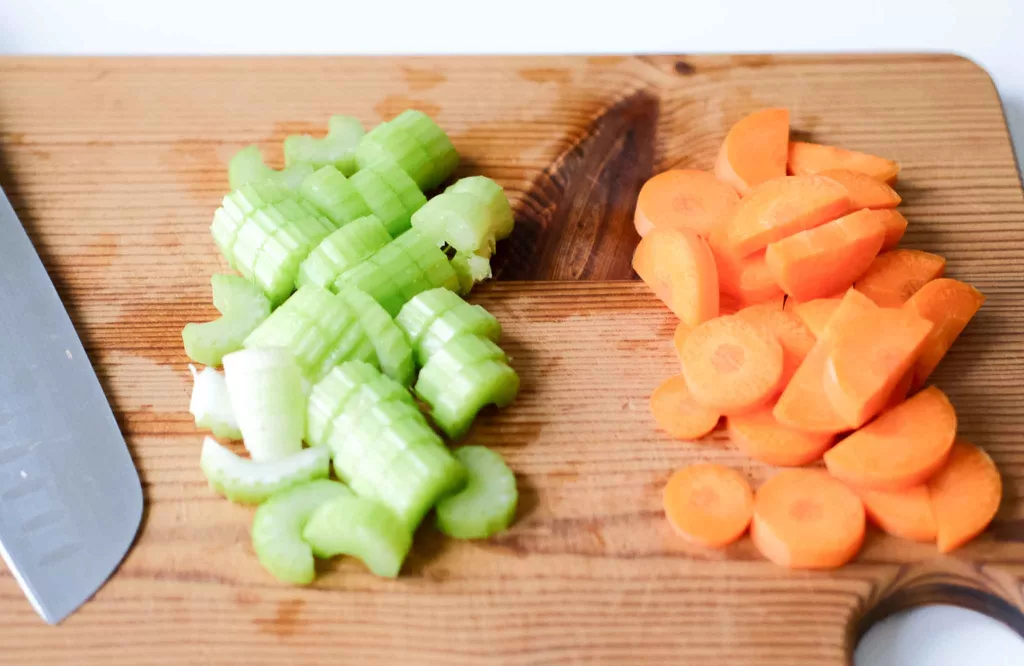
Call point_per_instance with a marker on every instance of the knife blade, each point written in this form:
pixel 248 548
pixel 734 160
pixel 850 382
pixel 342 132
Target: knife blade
pixel 70 497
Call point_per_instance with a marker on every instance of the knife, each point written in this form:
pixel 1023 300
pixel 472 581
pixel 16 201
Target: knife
pixel 70 498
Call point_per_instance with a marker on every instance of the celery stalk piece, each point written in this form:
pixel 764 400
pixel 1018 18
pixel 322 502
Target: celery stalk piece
pixel 394 354
pixel 404 187
pixel 247 166
pixel 387 144
pixel 232 294
pixel 210 404
pixel 470 269
pixel 337 149
pixel 494 197
pixel 209 342
pixel 341 250
pixel 463 319
pixel 361 528
pixel 277 529
pixel 382 200
pixel 247 481
pixel 334 196
pixel 444 158
pixel 236 207
pixel 459 219
pixel 487 503
pixel 268 397
pixel 419 313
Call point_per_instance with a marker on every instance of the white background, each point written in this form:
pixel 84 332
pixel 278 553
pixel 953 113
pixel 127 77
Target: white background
pixel 990 32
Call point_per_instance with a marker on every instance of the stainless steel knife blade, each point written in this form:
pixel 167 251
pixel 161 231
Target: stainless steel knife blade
pixel 70 497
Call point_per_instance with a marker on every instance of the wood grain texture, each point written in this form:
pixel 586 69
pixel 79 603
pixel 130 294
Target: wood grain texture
pixel 116 166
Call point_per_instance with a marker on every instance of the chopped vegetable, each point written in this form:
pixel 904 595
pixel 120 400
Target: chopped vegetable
pixel 684 198
pixel 678 266
pixel 343 249
pixel 759 435
pixel 965 495
pixel 895 226
pixel 337 149
pixel 949 305
pixel 894 276
pixel 792 335
pixel 251 482
pixel 432 318
pixel 242 306
pixel 493 196
pixel 394 145
pixel 210 404
pixel 487 503
pixel 708 504
pixel 904 513
pixel 394 353
pixel 362 528
pixel 678 414
pixel 471 269
pixel 806 159
pixel 754 150
pixel 443 156
pixel 247 167
pixel 459 219
pixel 747 279
pixel 334 196
pixel 269 401
pixel 815 313
pixel 864 190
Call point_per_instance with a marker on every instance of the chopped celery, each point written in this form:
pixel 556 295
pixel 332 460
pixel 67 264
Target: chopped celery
pixel 394 354
pixel 382 200
pixel 434 317
pixel 471 269
pixel 278 524
pixel 268 398
pixel 210 404
pixel 343 249
pixel 361 528
pixel 247 166
pixel 248 481
pixel 336 149
pixel 494 197
pixel 419 313
pixel 334 196
pixel 243 307
pixel 232 294
pixel 402 185
pixel 236 207
pixel 444 158
pixel 388 144
pixel 459 219
pixel 487 503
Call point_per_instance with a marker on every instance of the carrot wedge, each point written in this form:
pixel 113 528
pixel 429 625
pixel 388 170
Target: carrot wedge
pixel 965 495
pixel 794 337
pixel 823 260
pixel 731 365
pixel 804 519
pixel 895 226
pixel 679 268
pixel 755 150
pixel 904 513
pixel 682 330
pixel 894 276
pixel 815 313
pixel 903 447
pixel 779 208
pixel 865 191
pixel 747 279
pixel 900 392
pixel 683 198
pixel 676 412
pixel 708 504
pixel 810 158
pixel 759 435
pixel 949 305
pixel 852 306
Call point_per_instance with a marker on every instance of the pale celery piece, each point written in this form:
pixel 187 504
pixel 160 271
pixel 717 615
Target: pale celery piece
pixel 487 503
pixel 337 149
pixel 494 197
pixel 402 185
pixel 471 269
pixel 268 397
pixel 394 353
pixel 388 144
pixel 419 313
pixel 444 158
pixel 461 319
pixel 382 200
pixel 242 306
pixel 460 220
pixel 334 196
pixel 237 206
pixel 247 166
pixel 278 524
pixel 232 293
pixel 248 481
pixel 361 528
pixel 343 249
pixel 210 404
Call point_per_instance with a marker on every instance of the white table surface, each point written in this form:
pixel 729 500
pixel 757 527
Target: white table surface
pixel 990 32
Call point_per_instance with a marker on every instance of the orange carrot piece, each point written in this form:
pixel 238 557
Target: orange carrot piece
pixel 676 412
pixel 823 260
pixel 901 390
pixel 779 208
pixel 683 198
pixel 796 339
pixel 965 495
pixel 678 266
pixel 894 276
pixel 865 191
pixel 852 306
pixel 682 330
pixel 804 519
pixel 895 226
pixel 815 313
pixel 755 150
pixel 730 305
pixel 949 304
pixel 709 504
pixel 869 357
pixel 810 158
pixel 904 513
pixel 759 435
pixel 731 365
pixel 903 447
pixel 747 279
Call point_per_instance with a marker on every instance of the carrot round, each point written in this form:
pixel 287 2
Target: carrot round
pixel 779 208
pixel 678 266
pixel 965 495
pixel 869 356
pixel 804 519
pixel 708 504
pixel 759 435
pixel 747 279
pixel 794 337
pixel 904 513
pixel 895 226
pixel 823 260
pixel 903 447
pixel 810 158
pixel 683 198
pixel 682 330
pixel 949 305
pixel 676 412
pixel 755 150
pixel 900 392
pixel 815 313
pixel 865 191
pixel 894 276
pixel 731 365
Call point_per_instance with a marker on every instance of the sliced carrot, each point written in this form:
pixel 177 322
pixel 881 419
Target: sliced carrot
pixel 852 306
pixel 965 495
pixel 869 356
pixel 865 191
pixel 708 503
pixel 895 226
pixel 949 304
pixel 901 390
pixel 730 305
pixel 683 198
pixel 682 330
pixel 823 260
pixel 779 208
pixel 676 412
pixel 747 279
pixel 796 339
pixel 731 365
pixel 755 150
pixel 894 276
pixel 804 519
pixel 903 447
pixel 678 266
pixel 759 435
pixel 815 313
pixel 904 513
pixel 810 158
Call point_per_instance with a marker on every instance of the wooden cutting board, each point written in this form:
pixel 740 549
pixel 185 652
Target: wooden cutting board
pixel 116 166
